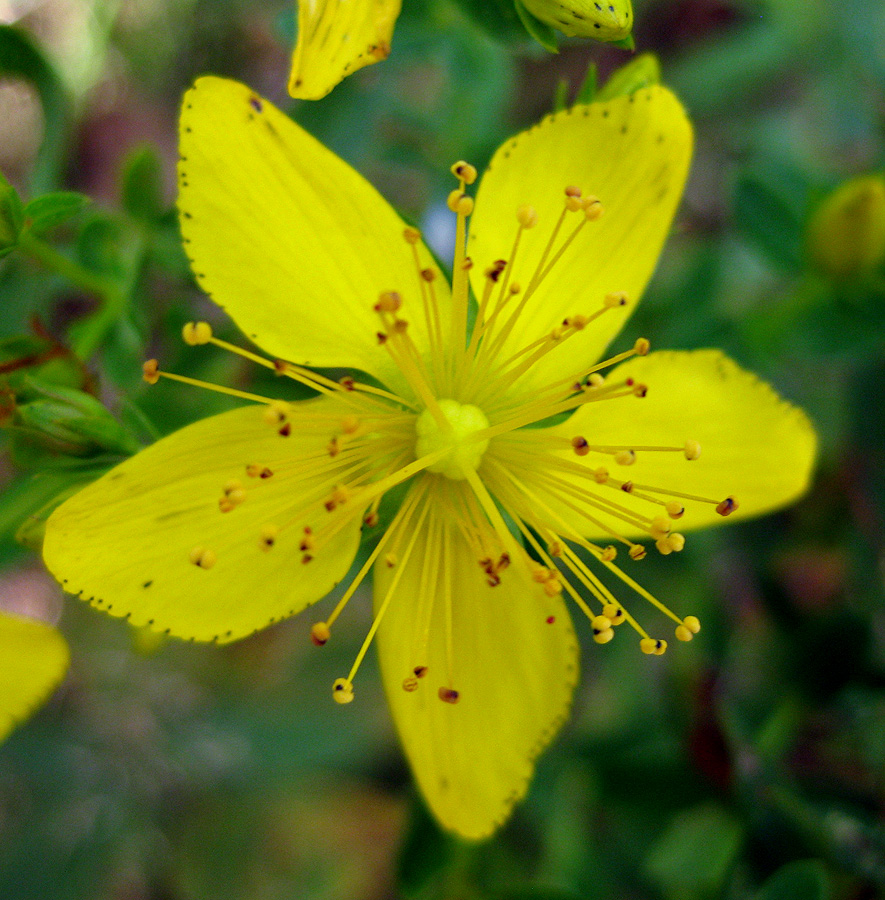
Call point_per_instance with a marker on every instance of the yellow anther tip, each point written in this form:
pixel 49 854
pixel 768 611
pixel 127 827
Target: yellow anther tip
pixel 625 457
pixel 648 646
pixel 692 450
pixel 195 333
pixel 613 613
pixel 727 506
pixel 683 633
pixel 342 691
pixel 609 554
pixel 675 510
pixel 692 623
pixel 663 547
pixel 464 171
pixel 642 346
pixel 676 541
pixel 593 208
pixel 320 633
pixel 150 371
pixel 527 216
pixel 637 551
pixel 412 235
pixel 573 191
pixel 603 637
pixel 458 202
pixel 601 623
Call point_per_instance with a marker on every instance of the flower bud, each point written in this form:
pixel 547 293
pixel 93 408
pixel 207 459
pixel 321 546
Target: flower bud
pixel 609 21
pixel 846 235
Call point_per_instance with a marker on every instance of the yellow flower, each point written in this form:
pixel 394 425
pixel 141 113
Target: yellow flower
pixel 245 518
pixel 33 660
pixel 337 37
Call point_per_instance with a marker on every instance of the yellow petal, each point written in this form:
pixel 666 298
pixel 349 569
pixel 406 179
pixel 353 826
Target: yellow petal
pixel 286 237
pixel 514 672
pixel 126 543
pixel 754 445
pixel 337 37
pixel 33 660
pixel 632 153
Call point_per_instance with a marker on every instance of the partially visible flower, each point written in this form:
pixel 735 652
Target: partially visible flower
pixel 604 20
pixel 528 469
pixel 335 39
pixel 33 660
pixel 846 235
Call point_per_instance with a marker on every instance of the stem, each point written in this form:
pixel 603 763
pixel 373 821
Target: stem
pixel 113 300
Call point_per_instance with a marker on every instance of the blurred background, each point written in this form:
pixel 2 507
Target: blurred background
pixel 747 764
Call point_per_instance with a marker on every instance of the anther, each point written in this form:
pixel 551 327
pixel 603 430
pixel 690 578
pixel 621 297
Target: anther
pixel 675 510
pixel 307 540
pixel 555 548
pixel 494 271
pixel 428 275
pixel 464 171
pixel 663 547
pixel 581 447
pixel 600 623
pixel 613 613
pixel 676 541
pixel 692 450
pixel 692 624
pixel 595 381
pixel 388 301
pixel 320 633
pixel 592 207
pixel 579 322
pixel 660 527
pixel 642 346
pixel 410 684
pixel 347 382
pixel 640 390
pixel 276 413
pixel 448 695
pixel 625 457
pixel 600 475
pixel 202 558
pixel 727 506
pixel 527 216
pixel 421 671
pixel 458 202
pixel 609 554
pixel 150 371
pixel 371 520
pixel 652 646
pixel 342 690
pixel 603 637
pixel 195 333
pixel 637 552
pixel 349 424
pixel 553 587
pixel 619 298
pixel 412 235
pixel 268 537
pixel 627 487
pixel 333 448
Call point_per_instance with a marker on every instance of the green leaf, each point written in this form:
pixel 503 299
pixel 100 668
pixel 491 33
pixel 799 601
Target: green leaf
pixel 770 206
pixel 642 72
pixel 425 853
pixel 20 57
pixel 11 215
pixel 694 854
pixel 542 33
pixel 801 880
pixel 142 184
pixel 44 213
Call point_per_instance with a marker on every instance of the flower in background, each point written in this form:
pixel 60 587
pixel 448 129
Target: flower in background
pixel 335 39
pixel 33 660
pixel 531 464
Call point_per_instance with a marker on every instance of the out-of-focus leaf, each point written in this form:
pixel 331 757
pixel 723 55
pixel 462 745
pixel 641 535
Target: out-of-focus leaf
pixel 11 216
pixel 425 852
pixel 540 31
pixel 693 856
pixel 644 71
pixel 770 204
pixel 20 57
pixel 587 90
pixel 44 213
pixel 801 880
pixel 142 184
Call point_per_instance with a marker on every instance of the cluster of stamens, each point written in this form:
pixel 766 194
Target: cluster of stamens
pixel 470 457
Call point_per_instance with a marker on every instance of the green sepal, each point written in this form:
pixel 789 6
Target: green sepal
pixel 44 213
pixel 541 32
pixel 587 90
pixel 625 43
pixel 642 72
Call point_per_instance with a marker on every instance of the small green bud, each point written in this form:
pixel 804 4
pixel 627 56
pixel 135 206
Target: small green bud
pixel 11 216
pixel 604 20
pixel 846 234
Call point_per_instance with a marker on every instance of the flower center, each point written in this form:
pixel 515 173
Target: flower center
pixel 464 451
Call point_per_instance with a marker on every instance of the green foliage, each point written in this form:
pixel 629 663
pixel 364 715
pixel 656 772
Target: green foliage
pixel 800 880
